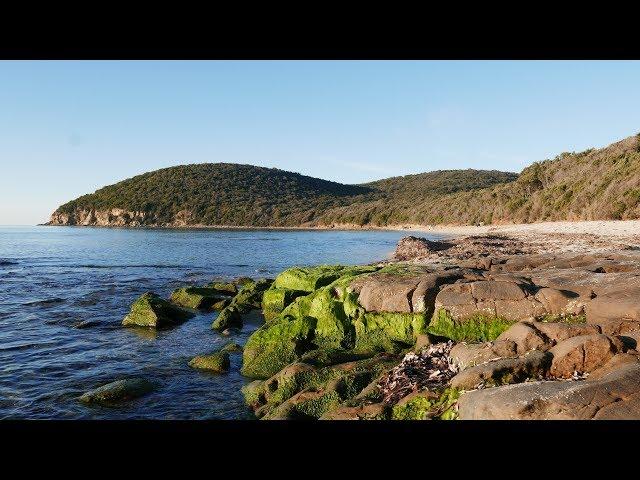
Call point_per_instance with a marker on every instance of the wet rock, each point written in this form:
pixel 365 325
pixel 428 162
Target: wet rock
pixel 583 354
pixel 533 364
pixel 152 311
pixel 228 288
pixel 229 317
pixel 118 391
pixel 373 411
pixel 196 297
pixel 217 362
pixel 86 324
pixel 615 395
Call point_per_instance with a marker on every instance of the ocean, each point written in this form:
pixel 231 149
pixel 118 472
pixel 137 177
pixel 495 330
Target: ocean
pixel 65 290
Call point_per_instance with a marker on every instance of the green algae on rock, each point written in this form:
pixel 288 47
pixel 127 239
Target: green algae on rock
pixel 118 391
pixel 217 362
pixel 228 288
pixel 275 300
pixel 302 391
pixel 275 345
pixel 152 311
pixel 227 318
pixel 477 328
pixel 427 405
pixel 197 297
pixel 388 331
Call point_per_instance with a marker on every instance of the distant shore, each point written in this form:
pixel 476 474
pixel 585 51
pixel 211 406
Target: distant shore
pixel 609 228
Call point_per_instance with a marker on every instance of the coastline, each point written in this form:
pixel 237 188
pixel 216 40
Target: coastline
pixel 606 228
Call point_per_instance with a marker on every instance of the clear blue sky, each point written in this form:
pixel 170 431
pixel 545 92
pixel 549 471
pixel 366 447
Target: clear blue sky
pixel 68 128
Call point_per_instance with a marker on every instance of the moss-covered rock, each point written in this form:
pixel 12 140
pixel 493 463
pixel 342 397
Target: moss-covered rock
pixel 275 300
pixel 242 281
pixel 231 347
pixel 229 288
pixel 221 305
pixel 302 391
pixel 250 295
pixel 308 279
pixel 196 297
pixel 229 317
pixel 478 328
pixel 427 405
pixel 385 331
pixel 152 311
pixel 328 357
pixel 275 345
pixel 217 362
pixel 118 391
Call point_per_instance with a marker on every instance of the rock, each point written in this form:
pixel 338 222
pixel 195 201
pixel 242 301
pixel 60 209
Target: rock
pixel 558 331
pixel 373 411
pixel 426 405
pixel 302 391
pixel 503 371
pixel 229 288
pixel 411 247
pixel 275 345
pixel 152 311
pixel 390 332
pixel 243 281
pixel 559 302
pixel 250 295
pixel 118 391
pixel 465 355
pixel 231 347
pixel 86 324
pixel 614 306
pixel 229 317
pixel 196 297
pixel 507 300
pixel 613 364
pixel 526 337
pixel 275 300
pixel 221 305
pixel 217 362
pixel 312 278
pixel 614 396
pixel 386 292
pixel 583 354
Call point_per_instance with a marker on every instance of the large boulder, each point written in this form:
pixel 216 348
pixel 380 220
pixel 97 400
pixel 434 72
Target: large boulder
pixel 411 247
pixel 615 306
pixel 118 391
pixel 275 300
pixel 615 395
pixel 152 311
pixel 229 317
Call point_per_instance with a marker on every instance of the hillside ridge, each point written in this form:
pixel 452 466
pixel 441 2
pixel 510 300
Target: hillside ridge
pixel 596 184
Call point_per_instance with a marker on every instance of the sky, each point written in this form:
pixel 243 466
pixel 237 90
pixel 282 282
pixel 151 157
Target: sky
pixel 70 127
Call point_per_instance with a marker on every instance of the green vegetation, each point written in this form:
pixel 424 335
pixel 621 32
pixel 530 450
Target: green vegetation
pixel 428 406
pixel 478 328
pixel 589 185
pixel 217 362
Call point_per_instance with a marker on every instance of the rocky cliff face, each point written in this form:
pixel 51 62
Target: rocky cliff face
pixel 114 217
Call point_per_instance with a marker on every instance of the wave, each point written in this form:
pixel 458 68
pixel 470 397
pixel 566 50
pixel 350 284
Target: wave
pixel 48 301
pixel 4 262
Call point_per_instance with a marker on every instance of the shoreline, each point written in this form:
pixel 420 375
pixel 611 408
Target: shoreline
pixel 606 228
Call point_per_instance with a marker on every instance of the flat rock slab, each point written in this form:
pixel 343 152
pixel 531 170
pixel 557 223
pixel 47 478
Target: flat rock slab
pixel 613 396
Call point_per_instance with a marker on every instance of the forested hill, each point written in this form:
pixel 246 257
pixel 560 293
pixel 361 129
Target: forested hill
pixel 594 184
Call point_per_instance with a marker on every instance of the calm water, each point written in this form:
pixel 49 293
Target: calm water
pixel 54 278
